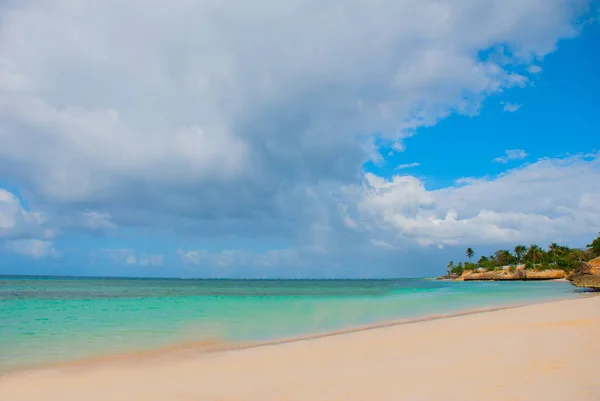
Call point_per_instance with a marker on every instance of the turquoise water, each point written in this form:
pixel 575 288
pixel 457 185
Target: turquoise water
pixel 46 320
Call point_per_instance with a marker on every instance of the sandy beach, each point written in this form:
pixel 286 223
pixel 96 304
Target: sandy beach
pixel 544 352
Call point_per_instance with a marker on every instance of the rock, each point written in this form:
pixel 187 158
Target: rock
pixel 550 274
pixel 588 276
pixel 491 275
pixel 594 266
pixel 520 273
pixel 585 280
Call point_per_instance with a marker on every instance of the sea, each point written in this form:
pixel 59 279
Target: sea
pixel 50 320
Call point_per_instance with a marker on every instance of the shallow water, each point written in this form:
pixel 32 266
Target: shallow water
pixel 46 320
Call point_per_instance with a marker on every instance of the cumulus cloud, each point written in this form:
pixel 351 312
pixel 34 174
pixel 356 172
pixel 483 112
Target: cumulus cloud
pixel 525 204
pixel 185 104
pixel 33 248
pixel 511 107
pixel 18 223
pixel 511 154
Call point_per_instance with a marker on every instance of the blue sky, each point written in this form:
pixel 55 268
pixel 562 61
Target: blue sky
pixel 557 115
pixel 196 149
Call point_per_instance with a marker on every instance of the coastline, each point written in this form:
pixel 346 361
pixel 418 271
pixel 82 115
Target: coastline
pixel 203 347
pixel 64 332
pixel 435 341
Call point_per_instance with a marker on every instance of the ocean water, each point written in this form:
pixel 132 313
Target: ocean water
pixel 46 320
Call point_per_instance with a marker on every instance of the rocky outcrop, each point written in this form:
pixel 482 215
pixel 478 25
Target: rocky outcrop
pixel 588 276
pixel 591 281
pixel 594 266
pixel 519 273
pixel 491 275
pixel 550 274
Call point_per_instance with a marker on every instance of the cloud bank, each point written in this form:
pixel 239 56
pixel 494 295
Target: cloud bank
pixel 525 204
pixel 207 119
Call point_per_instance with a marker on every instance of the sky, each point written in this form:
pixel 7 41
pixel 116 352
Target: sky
pixel 336 139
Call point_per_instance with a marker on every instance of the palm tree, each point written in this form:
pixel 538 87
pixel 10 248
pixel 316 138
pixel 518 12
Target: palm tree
pixel 535 251
pixel 520 251
pixel 450 267
pixel 553 247
pixel 470 253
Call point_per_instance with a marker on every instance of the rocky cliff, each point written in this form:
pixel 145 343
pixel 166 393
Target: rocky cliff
pixel 588 276
pixel 520 273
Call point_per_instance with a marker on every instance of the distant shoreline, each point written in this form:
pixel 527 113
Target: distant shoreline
pixel 34 276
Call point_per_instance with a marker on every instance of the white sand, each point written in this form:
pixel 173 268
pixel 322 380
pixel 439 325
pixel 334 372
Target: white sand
pixel 541 352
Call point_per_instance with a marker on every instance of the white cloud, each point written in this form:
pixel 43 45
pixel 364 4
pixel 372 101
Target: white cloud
pixel 18 223
pixel 534 69
pixel 33 248
pixel 524 204
pixel 511 154
pixel 186 100
pixel 23 231
pixel 511 107
pixel 409 165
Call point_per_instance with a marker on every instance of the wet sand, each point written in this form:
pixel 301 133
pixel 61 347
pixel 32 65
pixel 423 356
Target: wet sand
pixel 547 351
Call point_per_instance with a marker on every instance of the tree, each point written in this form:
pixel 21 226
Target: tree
pixel 470 253
pixel 456 269
pixel 557 257
pixel 553 248
pixel 493 262
pixel 519 252
pixel 483 261
pixel 534 253
pixel 469 266
pixel 579 255
pixel 503 257
pixel 594 247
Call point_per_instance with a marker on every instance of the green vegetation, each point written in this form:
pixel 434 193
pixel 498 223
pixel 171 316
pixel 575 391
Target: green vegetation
pixel 594 247
pixel 519 252
pixel 470 253
pixel 533 257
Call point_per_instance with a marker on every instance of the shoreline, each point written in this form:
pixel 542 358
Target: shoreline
pixel 537 351
pixel 545 350
pixel 205 347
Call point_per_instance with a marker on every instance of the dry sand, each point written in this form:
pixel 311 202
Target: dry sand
pixel 546 352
